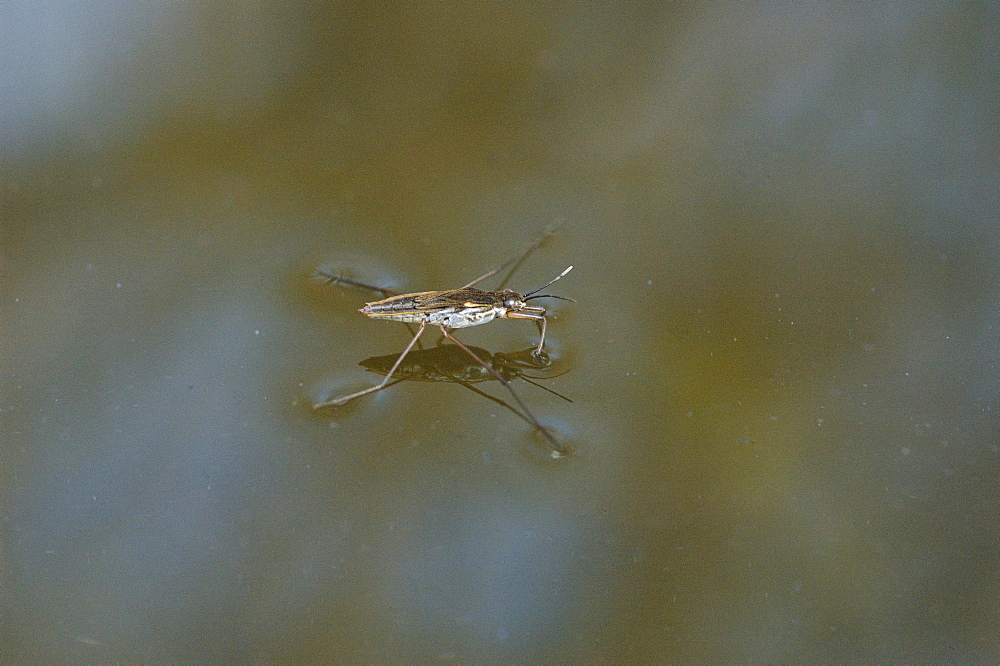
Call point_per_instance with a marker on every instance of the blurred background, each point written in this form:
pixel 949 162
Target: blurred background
pixel 782 358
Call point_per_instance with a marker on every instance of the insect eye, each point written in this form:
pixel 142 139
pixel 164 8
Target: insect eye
pixel 511 302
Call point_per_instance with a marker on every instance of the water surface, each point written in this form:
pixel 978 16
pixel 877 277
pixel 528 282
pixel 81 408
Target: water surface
pixel 782 360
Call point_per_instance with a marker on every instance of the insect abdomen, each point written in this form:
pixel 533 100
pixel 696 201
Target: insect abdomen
pixel 402 303
pixel 396 308
pixel 408 317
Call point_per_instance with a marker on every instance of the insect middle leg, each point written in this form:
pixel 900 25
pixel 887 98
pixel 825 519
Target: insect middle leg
pixel 336 402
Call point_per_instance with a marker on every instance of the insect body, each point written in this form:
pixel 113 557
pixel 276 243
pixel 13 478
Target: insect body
pixel 458 308
pixel 455 309
pixel 461 308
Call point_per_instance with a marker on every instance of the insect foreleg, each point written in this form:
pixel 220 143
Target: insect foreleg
pixel 539 319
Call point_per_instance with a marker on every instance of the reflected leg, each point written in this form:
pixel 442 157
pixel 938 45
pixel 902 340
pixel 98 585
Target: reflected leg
pixel 520 403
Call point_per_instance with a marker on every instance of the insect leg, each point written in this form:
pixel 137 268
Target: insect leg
pixel 541 340
pixel 520 403
pixel 515 260
pixel 347 398
pixel 539 319
pixel 328 277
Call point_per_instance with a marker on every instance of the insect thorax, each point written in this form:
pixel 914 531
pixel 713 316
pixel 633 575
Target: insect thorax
pixel 464 317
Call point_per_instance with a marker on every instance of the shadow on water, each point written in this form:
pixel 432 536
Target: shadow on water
pixel 451 364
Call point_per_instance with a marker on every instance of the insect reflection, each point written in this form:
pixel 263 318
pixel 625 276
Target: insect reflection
pixel 449 363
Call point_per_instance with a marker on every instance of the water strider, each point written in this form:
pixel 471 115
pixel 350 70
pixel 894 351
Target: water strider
pixel 459 308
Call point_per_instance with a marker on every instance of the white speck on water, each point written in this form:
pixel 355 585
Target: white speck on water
pixel 256 332
pixel 118 285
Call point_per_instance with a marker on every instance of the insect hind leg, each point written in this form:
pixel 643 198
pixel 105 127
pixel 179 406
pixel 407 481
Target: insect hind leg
pixel 343 400
pixel 517 259
pixel 329 277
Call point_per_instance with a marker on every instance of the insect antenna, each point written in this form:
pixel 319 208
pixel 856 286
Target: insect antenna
pixel 547 284
pixel 561 298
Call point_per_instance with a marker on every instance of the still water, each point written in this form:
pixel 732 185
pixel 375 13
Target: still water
pixel 777 378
